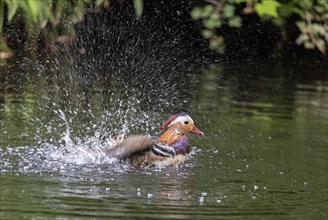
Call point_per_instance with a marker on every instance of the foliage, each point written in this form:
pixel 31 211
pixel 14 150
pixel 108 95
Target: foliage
pixel 55 17
pixel 314 26
pixel 312 18
pixel 213 16
pixel 54 20
pixel 138 7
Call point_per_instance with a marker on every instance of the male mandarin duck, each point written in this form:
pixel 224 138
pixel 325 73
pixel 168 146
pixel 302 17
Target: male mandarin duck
pixel 168 147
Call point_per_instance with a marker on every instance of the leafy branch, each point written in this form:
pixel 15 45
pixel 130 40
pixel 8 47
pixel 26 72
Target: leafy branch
pixel 312 22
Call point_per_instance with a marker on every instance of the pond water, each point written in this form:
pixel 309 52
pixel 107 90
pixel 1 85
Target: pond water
pixel 264 153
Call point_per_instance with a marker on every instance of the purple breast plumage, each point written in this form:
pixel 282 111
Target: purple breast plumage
pixel 181 146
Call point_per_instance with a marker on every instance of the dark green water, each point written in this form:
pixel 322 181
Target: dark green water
pixel 264 153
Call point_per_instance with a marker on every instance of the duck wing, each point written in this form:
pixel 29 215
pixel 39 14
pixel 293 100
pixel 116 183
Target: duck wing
pixel 163 150
pixel 130 146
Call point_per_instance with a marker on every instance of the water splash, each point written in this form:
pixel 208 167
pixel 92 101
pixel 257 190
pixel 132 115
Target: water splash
pixel 72 115
pixel 66 136
pixel 131 76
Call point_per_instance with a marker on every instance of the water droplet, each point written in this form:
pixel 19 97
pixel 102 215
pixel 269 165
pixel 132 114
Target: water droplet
pixel 201 200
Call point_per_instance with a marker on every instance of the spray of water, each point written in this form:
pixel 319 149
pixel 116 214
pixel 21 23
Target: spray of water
pixel 130 76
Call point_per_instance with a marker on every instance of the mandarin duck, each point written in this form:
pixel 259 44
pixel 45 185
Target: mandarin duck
pixel 169 146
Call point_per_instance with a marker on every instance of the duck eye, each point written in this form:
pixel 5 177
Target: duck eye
pixel 186 122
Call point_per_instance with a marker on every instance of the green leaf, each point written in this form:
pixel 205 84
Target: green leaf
pixel 288 10
pixel 12 6
pixel 34 8
pixel 319 9
pixel 302 26
pixel 196 13
pixel 302 38
pixel 309 45
pixel 207 34
pixel 228 11
pixel 318 28
pixel 215 16
pixel 217 43
pixel 305 4
pixel 279 21
pixel 321 45
pixel 207 10
pixel 138 7
pixel 212 23
pixel 325 17
pixel 267 7
pixel 99 2
pixel 243 1
pixel 235 21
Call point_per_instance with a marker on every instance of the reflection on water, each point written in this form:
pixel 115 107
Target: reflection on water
pixel 264 153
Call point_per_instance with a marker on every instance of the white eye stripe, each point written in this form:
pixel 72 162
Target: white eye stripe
pixel 181 119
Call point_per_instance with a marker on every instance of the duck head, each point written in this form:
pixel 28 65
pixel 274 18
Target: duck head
pixel 175 128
